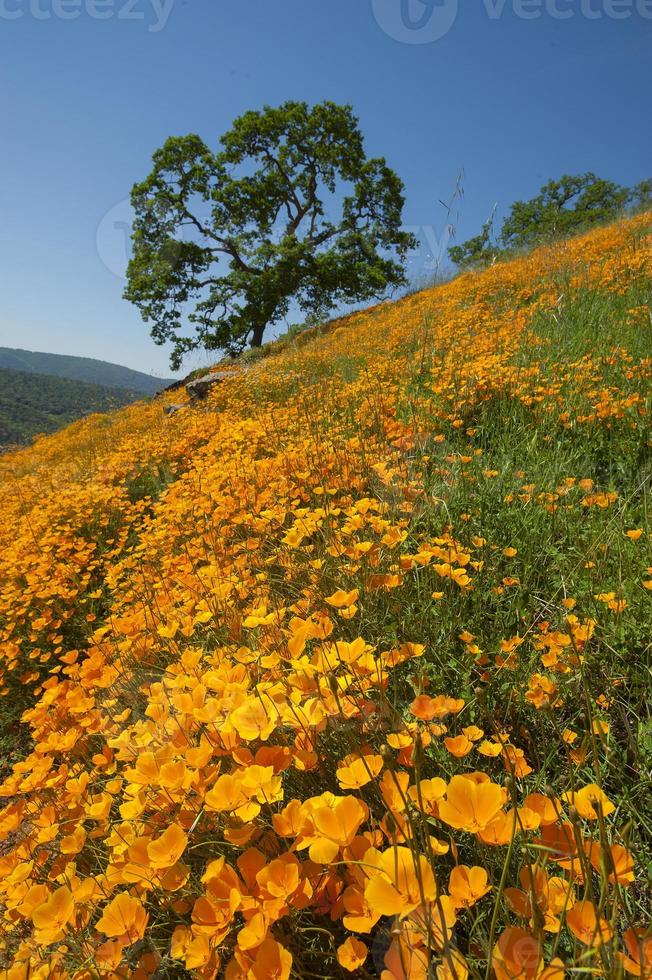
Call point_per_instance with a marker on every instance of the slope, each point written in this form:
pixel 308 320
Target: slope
pixel 342 673
pixel 80 369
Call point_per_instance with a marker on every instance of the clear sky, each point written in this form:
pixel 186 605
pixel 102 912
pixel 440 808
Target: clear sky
pixel 509 92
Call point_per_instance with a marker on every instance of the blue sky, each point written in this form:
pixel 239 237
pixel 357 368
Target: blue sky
pixel 509 92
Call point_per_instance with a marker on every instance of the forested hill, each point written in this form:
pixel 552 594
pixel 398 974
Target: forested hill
pixel 81 369
pixel 34 403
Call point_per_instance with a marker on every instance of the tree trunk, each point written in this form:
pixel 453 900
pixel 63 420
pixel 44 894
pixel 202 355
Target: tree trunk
pixel 257 334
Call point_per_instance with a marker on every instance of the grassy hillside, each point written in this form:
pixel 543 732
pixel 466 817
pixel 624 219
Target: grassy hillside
pixel 81 369
pixel 37 403
pixel 344 673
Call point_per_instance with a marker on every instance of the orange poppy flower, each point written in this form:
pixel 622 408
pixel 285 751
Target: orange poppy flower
pixel 403 961
pixel 228 795
pixel 452 967
pixel 559 842
pixel 431 924
pixel 517 955
pixel 547 809
pixel 469 805
pixel 342 600
pixel 546 896
pixel 124 918
pixel 427 793
pixel 500 830
pixel 638 962
pixel 289 821
pixel 336 821
pixel 398 886
pixel 587 925
pixel 253 932
pixel 53 915
pixel 466 885
pixel 253 720
pixel 459 746
pixel 280 878
pixel 168 848
pixel 490 749
pixel 357 771
pixel 616 859
pixel 352 954
pixel 193 949
pixel 359 915
pixel 427 708
pixel 73 843
pixel 587 800
pixel 272 962
pixel 394 788
pixel 473 733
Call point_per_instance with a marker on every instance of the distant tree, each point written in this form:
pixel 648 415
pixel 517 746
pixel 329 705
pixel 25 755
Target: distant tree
pixel 641 196
pixel 475 251
pixel 289 208
pixel 563 207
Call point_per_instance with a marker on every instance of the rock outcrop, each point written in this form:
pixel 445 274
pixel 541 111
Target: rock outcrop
pixel 200 387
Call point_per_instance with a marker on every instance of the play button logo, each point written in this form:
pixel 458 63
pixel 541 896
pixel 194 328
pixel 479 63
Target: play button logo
pixel 415 21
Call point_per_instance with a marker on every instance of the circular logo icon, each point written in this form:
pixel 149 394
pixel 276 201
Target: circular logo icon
pixel 415 21
pixel 113 238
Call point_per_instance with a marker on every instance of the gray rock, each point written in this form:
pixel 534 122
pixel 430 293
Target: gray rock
pixel 172 409
pixel 200 387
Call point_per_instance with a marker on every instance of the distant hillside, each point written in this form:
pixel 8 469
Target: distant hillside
pixel 81 369
pixel 34 403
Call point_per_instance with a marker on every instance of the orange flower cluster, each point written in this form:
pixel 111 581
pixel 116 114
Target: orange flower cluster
pixel 247 756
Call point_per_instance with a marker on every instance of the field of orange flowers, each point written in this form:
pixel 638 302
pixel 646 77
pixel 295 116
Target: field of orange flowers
pixel 343 672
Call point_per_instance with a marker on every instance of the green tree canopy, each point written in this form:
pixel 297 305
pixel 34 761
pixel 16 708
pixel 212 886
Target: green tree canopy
pixel 562 207
pixel 289 208
pixel 641 196
pixel 476 250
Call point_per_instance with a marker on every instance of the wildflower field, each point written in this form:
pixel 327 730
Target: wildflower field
pixel 343 672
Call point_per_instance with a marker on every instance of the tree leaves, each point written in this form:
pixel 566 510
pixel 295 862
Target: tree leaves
pixel 289 209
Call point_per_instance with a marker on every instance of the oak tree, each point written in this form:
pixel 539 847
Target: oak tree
pixel 289 208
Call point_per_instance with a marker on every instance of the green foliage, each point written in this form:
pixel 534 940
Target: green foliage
pixel 641 196
pixel 475 251
pixel 15 740
pixel 34 403
pixel 290 208
pixel 81 369
pixel 563 207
